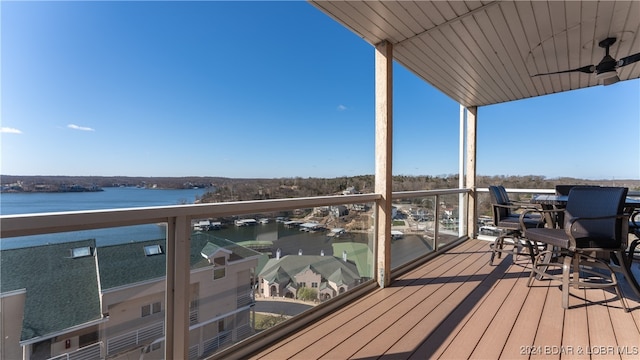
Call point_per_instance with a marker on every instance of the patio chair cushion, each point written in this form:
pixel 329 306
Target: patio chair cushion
pixel 513 222
pixel 553 237
pixel 559 238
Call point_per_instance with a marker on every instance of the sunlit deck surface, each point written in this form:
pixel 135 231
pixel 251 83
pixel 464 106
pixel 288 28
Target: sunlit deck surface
pixel 457 306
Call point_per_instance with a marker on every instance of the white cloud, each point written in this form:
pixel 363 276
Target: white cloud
pixel 81 128
pixel 8 130
pixel 342 107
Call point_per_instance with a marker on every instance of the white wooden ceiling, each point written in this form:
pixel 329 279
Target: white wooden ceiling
pixel 485 52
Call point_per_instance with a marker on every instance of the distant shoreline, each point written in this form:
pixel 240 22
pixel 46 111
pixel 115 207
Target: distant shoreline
pixel 222 189
pixel 48 188
pixel 52 184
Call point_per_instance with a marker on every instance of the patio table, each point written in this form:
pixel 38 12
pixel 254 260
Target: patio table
pixel 556 202
pixel 549 203
pixel 561 201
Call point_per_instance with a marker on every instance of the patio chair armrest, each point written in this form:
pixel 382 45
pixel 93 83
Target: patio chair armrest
pixel 540 212
pixel 635 218
pixel 574 221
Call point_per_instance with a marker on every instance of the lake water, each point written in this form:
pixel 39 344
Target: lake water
pixel 290 240
pixel 110 198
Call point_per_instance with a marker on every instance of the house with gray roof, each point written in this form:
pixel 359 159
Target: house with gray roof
pixel 109 301
pixel 285 276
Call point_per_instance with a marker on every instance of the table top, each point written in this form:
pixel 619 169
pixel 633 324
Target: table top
pixel 550 199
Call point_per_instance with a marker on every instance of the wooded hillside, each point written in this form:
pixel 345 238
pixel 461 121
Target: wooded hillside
pixel 232 189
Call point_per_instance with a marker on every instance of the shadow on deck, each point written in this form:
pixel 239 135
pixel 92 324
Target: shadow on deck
pixel 458 306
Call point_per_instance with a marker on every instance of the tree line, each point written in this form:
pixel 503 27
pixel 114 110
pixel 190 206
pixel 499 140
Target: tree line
pixel 237 189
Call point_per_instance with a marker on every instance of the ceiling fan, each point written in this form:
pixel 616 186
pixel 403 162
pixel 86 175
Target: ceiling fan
pixel 606 69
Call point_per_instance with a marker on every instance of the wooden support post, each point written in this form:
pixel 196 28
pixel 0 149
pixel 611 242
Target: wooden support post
pixel 463 216
pixel 383 155
pixel 472 123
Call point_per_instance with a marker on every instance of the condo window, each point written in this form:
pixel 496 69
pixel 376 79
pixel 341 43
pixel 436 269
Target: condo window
pixel 88 339
pixel 219 269
pixel 81 252
pixel 219 261
pixel 219 273
pixel 151 250
pixel 153 347
pixel 193 312
pixel 149 309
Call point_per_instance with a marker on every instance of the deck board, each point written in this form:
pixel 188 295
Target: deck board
pixel 494 339
pixel 426 312
pixel 460 306
pixel 352 318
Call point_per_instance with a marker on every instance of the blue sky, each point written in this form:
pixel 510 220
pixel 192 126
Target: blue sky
pixel 262 89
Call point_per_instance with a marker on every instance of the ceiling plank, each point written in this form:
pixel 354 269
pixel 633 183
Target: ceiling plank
pixel 518 49
pixel 485 52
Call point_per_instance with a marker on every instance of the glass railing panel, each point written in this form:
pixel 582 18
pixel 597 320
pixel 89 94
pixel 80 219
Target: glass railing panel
pixel 424 221
pixel 267 268
pixel 450 223
pixel 413 229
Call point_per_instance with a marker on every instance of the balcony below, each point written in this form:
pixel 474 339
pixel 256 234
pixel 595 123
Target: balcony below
pixel 458 306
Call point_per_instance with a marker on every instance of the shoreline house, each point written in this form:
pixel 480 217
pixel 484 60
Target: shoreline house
pixel 109 302
pixel 329 276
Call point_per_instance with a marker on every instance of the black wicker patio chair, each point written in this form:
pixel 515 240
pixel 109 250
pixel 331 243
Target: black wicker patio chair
pixel 634 228
pixel 595 228
pixel 509 223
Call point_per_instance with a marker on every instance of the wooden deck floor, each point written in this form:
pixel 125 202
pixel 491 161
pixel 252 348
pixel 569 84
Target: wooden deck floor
pixel 457 306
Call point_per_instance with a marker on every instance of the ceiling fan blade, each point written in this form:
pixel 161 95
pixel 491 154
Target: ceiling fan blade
pixel 628 60
pixel 589 69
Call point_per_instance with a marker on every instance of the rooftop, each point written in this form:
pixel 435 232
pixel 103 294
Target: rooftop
pixel 284 269
pixel 61 291
pixel 125 264
pixel 61 284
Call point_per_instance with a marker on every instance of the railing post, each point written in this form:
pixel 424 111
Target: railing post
pixel 177 289
pixel 462 213
pixel 436 223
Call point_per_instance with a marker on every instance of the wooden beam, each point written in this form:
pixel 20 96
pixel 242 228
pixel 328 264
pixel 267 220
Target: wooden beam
pixel 472 123
pixel 383 156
